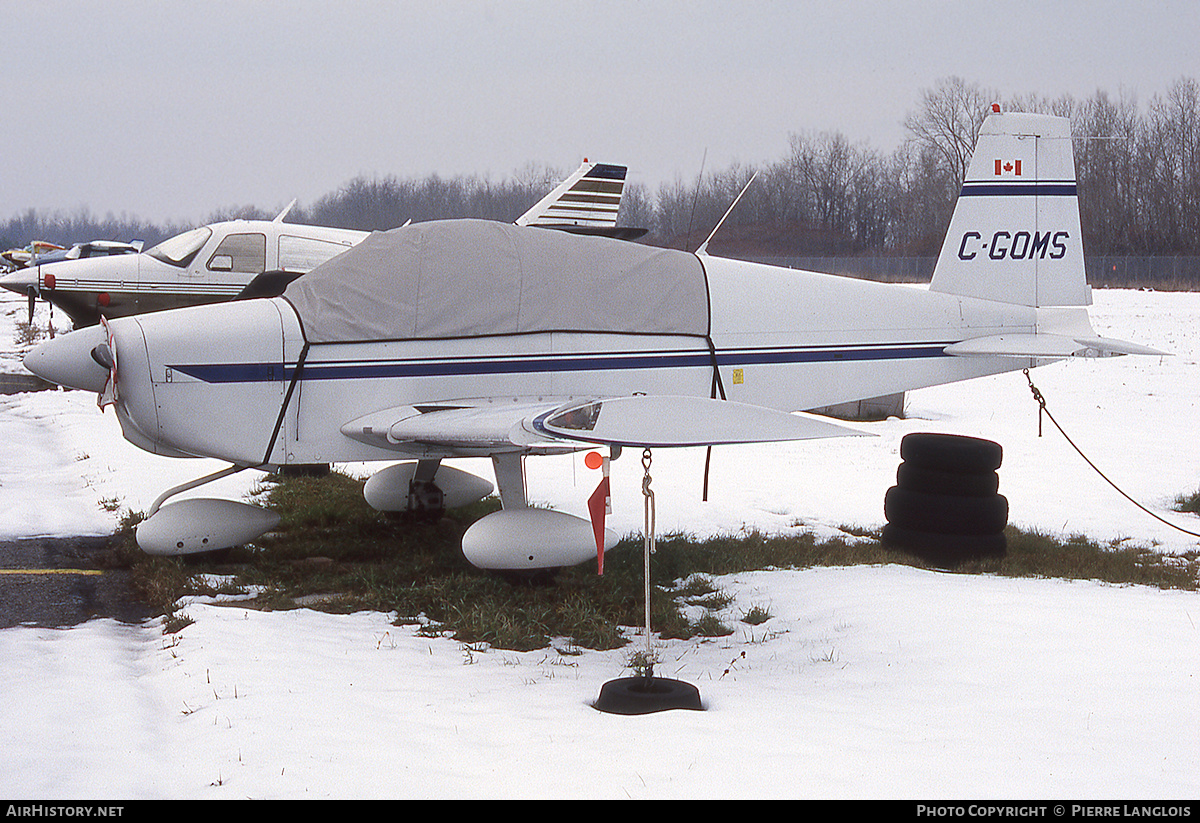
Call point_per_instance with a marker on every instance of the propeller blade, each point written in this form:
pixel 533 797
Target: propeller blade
pixel 101 354
pixel 33 295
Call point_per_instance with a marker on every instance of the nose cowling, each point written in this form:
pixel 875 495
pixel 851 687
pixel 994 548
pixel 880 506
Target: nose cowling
pixel 67 360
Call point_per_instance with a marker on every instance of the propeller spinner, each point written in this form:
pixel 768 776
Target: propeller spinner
pixel 67 360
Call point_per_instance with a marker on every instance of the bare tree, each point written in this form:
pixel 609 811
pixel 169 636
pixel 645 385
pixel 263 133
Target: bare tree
pixel 637 207
pixel 1138 173
pixel 1106 148
pixel 948 123
pixel 1172 129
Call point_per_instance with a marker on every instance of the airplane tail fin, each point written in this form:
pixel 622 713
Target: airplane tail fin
pixel 589 198
pixel 1015 235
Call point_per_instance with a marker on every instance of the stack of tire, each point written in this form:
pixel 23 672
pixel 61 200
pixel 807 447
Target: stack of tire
pixel 945 508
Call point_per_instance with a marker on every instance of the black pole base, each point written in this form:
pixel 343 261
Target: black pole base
pixel 644 695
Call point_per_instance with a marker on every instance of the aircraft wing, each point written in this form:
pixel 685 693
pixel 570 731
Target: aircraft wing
pixel 637 420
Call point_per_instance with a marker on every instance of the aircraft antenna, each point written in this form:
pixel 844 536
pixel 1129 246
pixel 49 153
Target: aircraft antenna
pixel 704 246
pixel 279 217
pixel 695 196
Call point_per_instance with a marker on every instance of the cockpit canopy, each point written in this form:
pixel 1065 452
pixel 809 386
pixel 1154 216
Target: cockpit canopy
pixel 469 278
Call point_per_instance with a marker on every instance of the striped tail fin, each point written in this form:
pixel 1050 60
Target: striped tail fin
pixel 590 197
pixel 1015 235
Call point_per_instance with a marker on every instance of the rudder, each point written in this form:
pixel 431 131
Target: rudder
pixel 1015 235
pixel 590 197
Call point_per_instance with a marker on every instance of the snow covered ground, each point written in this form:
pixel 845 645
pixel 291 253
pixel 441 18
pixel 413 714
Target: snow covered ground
pixel 866 682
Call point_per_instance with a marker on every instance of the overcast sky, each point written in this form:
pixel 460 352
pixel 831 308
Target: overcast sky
pixel 169 110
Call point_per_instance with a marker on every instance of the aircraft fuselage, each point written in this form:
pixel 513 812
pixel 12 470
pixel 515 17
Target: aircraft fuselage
pixel 205 265
pixel 212 383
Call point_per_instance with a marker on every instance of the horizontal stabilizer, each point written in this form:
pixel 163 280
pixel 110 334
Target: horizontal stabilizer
pixel 1046 345
pixel 614 232
pixel 654 420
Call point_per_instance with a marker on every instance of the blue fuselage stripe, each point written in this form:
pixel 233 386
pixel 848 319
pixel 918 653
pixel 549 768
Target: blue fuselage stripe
pixel 445 367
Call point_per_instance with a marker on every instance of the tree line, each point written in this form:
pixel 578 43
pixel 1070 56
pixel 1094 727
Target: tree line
pixel 1138 171
pixel 1138 167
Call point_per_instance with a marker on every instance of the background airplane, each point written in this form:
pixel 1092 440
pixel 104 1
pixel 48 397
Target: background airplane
pixel 92 248
pixel 257 258
pixel 475 338
pixel 20 258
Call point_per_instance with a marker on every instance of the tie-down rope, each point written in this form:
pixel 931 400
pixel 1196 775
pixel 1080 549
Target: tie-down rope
pixel 1041 401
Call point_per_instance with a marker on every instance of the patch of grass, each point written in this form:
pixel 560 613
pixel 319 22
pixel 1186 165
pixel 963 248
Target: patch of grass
pixel 331 543
pixel 1188 503
pixel 27 334
pixel 699 590
pixel 176 622
pixel 157 581
pixel 709 625
pixel 756 616
pixel 1036 555
pixel 697 587
pixel 642 663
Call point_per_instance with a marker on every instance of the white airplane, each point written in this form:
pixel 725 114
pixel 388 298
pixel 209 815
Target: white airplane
pixel 473 338
pixel 257 258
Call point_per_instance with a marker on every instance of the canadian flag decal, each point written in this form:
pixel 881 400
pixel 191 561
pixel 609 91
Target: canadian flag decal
pixel 1008 167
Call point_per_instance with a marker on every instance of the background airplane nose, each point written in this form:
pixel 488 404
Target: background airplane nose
pixel 20 280
pixel 67 360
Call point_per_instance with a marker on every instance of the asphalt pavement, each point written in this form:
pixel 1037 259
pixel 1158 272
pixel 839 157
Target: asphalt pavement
pixel 57 582
pixel 14 383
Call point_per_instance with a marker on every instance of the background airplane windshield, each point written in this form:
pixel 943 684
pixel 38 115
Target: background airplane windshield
pixel 180 249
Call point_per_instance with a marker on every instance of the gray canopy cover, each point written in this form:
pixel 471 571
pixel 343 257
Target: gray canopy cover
pixel 467 278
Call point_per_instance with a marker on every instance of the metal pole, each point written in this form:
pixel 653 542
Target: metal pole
pixel 649 541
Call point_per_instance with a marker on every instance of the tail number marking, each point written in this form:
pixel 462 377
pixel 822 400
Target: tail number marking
pixel 1020 246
